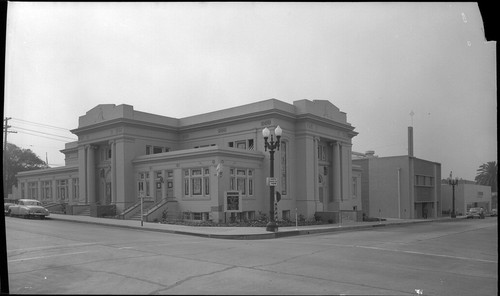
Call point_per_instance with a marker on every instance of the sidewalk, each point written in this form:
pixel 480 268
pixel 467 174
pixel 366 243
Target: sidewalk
pixel 240 233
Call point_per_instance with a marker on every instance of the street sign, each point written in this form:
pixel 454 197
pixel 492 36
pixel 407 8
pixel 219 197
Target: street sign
pixel 271 181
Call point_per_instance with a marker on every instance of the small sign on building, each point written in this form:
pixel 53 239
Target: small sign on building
pixel 271 181
pixel 233 202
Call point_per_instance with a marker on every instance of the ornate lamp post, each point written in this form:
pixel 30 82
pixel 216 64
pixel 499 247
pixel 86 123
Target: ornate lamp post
pixel 453 183
pixel 272 145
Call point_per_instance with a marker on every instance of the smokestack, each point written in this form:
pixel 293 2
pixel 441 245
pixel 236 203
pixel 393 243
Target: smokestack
pixel 410 141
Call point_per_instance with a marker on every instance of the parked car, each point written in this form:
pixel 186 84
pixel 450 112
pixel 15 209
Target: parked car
pixel 6 207
pixel 475 213
pixel 493 213
pixel 28 208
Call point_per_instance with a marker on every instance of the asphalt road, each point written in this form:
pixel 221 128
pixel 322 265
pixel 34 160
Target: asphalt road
pixel 458 257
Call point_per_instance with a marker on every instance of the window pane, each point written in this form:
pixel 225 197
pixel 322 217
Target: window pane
pixel 206 181
pixel 196 186
pixel 241 185
pixel 186 186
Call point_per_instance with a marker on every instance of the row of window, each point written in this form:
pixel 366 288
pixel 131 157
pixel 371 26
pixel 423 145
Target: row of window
pixel 156 149
pixel 46 190
pixel 242 144
pixel 196 181
pixel 245 215
pixel 421 180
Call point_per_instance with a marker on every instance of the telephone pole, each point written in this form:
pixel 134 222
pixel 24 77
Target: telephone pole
pixel 6 127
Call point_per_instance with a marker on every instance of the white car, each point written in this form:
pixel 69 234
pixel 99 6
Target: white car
pixel 28 208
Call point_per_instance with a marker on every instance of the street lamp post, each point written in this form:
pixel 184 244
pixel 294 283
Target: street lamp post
pixel 453 183
pixel 271 145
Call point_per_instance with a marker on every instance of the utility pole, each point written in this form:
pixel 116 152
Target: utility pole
pixel 6 127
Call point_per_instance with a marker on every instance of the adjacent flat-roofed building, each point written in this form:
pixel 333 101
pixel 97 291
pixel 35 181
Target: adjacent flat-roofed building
pixel 468 194
pixel 185 166
pixel 403 187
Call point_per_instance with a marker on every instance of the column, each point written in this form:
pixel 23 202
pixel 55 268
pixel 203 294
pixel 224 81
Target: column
pixel 69 194
pixel 82 175
pixel 346 171
pixel 54 190
pixel 39 190
pixel 315 173
pixel 336 172
pixel 113 172
pixel 91 195
pixel 152 185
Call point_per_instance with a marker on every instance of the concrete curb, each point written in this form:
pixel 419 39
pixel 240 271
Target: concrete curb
pixel 252 236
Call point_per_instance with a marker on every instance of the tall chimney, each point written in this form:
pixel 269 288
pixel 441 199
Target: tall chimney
pixel 410 141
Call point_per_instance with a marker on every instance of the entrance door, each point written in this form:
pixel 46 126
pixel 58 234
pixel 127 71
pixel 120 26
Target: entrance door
pixel 170 184
pixel 158 186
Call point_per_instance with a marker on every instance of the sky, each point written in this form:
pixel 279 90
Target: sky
pixel 377 62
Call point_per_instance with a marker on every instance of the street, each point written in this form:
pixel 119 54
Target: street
pixel 456 257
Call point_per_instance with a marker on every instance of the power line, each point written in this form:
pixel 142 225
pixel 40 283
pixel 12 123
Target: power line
pixel 41 124
pixel 23 132
pixel 17 127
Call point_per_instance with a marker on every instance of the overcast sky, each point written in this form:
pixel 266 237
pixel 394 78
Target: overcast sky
pixel 377 62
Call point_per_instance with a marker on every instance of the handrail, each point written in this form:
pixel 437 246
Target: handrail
pixel 157 206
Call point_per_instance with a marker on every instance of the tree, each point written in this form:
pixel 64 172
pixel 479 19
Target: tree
pixel 487 175
pixel 19 160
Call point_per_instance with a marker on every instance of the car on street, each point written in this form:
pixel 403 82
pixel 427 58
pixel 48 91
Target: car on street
pixel 493 213
pixel 6 207
pixel 473 213
pixel 28 208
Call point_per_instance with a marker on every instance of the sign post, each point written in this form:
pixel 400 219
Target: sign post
pixel 141 196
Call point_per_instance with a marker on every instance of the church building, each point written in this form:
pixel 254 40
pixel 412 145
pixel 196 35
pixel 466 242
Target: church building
pixel 188 167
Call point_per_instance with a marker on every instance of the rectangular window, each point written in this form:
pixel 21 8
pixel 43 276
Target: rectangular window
pixel 354 186
pixel 76 188
pixel 250 144
pixel 196 186
pixel 321 152
pixel 157 150
pixel 197 182
pixel 22 190
pixel 46 189
pixel 285 215
pixel 427 181
pixel 251 215
pixel 149 150
pixel 241 145
pixel 284 168
pixel 206 182
pixel 62 189
pixel 241 180
pixel 32 190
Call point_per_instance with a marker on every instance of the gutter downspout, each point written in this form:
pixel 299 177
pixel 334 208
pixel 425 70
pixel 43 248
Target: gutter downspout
pixel 399 193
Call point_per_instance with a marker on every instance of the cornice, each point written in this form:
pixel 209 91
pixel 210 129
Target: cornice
pixel 199 152
pixel 113 123
pixel 62 169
